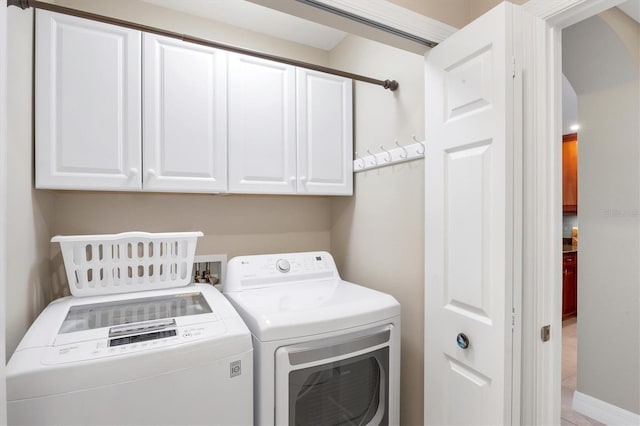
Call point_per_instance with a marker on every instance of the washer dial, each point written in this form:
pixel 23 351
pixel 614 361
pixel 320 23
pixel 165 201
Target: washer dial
pixel 283 265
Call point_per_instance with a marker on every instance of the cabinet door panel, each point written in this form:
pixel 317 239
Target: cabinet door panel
pixel 87 104
pixel 325 133
pixel 570 174
pixel 262 155
pixel 185 116
pixel 569 285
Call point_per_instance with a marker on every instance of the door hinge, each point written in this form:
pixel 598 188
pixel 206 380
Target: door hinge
pixel 545 333
pixel 513 67
pixel 513 318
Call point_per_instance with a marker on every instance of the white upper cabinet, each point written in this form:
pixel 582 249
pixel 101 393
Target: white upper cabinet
pixel 262 126
pixel 325 133
pixel 88 124
pixel 197 120
pixel 290 129
pixel 185 116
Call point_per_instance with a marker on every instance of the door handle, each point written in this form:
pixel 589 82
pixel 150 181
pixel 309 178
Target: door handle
pixel 462 340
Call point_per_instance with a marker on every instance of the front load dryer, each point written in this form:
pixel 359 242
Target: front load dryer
pixel 179 356
pixel 326 351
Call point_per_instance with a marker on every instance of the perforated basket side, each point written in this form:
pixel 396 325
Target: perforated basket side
pixel 128 263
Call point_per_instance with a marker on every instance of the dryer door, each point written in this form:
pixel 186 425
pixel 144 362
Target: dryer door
pixel 338 381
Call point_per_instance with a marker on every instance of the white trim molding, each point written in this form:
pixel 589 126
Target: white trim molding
pixel 4 33
pixel 563 13
pixel 602 411
pixel 542 223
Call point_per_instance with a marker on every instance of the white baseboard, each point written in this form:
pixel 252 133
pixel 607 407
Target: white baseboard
pixel 603 411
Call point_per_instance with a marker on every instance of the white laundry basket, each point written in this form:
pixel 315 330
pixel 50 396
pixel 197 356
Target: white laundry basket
pixel 130 261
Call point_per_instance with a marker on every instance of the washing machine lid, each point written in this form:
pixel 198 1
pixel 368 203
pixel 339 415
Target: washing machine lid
pixel 311 307
pixel 117 319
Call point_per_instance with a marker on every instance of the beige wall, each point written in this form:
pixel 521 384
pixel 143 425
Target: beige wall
pixel 232 224
pixel 29 211
pixel 603 53
pixel 608 275
pixel 457 13
pixel 377 236
pixel 452 12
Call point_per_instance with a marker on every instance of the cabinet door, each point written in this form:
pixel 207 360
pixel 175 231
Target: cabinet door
pixel 569 285
pixel 87 99
pixel 262 147
pixel 570 174
pixel 185 116
pixel 325 133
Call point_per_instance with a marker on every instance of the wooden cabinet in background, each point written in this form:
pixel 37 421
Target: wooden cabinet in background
pixel 569 285
pixel 570 174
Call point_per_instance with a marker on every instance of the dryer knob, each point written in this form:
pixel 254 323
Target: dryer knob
pixel 283 265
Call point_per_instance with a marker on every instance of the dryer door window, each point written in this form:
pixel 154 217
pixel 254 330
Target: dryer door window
pixel 352 391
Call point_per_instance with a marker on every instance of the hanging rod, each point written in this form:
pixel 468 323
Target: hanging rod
pixel 377 25
pixel 25 4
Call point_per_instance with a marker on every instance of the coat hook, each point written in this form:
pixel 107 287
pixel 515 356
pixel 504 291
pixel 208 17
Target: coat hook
pixel 388 159
pixel 404 154
pixel 362 162
pixel 421 152
pixel 374 160
pixel 415 139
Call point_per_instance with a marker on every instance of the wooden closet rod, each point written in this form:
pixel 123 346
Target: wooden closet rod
pixel 25 4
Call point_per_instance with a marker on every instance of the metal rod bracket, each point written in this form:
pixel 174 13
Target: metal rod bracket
pixel 22 4
pixel 391 85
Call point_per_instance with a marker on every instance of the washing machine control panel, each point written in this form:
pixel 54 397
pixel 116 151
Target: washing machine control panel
pixel 131 343
pixel 266 270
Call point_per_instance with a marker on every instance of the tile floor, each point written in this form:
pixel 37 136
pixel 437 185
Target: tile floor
pixel 569 374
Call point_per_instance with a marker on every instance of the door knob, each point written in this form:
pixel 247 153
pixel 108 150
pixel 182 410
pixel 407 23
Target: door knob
pixel 462 340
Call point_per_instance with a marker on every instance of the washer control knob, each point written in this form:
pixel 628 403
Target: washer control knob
pixel 283 265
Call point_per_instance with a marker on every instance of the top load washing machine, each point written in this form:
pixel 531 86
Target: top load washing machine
pixel 178 356
pixel 326 351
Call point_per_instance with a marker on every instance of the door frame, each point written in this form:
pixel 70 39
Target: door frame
pixel 544 21
pixel 4 33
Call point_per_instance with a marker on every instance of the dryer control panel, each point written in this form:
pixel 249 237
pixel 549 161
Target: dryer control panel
pixel 244 272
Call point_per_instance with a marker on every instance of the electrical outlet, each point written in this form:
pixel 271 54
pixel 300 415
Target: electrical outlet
pixel 209 269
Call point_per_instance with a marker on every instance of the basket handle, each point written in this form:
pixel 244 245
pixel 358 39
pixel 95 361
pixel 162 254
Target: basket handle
pixel 123 235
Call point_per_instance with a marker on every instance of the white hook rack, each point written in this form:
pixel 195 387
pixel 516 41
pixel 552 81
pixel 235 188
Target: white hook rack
pixel 387 157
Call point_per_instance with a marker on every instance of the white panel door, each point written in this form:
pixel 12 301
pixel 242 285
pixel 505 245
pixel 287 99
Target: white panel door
pixel 185 116
pixel 262 126
pixel 88 121
pixel 325 133
pixel 469 208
